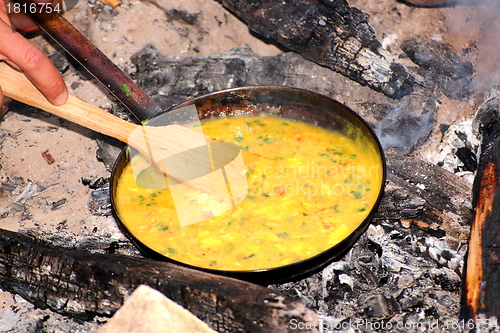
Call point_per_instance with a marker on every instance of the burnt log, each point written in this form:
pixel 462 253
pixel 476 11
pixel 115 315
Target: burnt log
pixel 172 80
pixel 329 33
pixel 439 64
pixel 481 281
pixel 81 284
pixel 425 196
pixel 404 123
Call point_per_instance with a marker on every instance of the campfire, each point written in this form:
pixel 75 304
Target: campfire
pixel 421 73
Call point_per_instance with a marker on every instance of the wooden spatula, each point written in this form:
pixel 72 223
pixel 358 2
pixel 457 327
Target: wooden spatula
pixel 155 143
pixel 173 149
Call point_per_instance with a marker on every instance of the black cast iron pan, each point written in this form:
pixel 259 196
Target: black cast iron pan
pixel 292 103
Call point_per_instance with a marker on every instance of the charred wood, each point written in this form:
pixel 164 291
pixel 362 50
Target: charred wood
pixel 406 124
pixel 91 244
pixel 171 80
pixel 481 282
pixel 425 197
pixel 441 65
pixel 330 33
pixel 80 284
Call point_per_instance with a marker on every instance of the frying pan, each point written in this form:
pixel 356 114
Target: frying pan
pixel 292 103
pixel 289 103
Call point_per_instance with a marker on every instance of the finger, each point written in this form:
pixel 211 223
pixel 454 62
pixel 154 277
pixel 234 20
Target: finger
pixel 37 67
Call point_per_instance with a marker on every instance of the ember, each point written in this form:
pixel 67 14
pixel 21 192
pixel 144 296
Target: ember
pixel 417 75
pixel 48 157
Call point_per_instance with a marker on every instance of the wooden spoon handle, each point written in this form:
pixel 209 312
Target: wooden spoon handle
pixel 155 143
pixel 16 86
pixel 91 58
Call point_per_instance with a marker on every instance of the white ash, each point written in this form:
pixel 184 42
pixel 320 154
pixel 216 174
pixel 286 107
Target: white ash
pixel 19 316
pixel 391 275
pixel 111 243
pixel 457 136
pixel 441 253
pixel 346 279
pixel 28 192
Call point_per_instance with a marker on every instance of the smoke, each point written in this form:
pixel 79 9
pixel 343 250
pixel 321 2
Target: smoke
pixel 487 63
pixel 402 130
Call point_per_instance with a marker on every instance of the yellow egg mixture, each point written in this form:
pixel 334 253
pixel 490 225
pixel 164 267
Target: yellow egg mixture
pixel 308 189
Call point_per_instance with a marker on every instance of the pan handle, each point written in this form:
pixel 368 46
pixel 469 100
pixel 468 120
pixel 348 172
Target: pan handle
pixel 50 20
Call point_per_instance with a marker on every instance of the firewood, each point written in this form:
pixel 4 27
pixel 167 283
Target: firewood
pixel 481 282
pixel 330 33
pixel 452 74
pixel 81 284
pixel 425 196
pixel 199 75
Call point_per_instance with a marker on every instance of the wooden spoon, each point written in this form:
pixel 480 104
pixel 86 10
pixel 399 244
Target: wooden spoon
pixel 158 144
pixel 155 143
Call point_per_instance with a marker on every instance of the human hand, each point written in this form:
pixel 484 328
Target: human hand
pixel 21 54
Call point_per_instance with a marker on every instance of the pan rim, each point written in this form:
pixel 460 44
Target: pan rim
pixel 290 271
